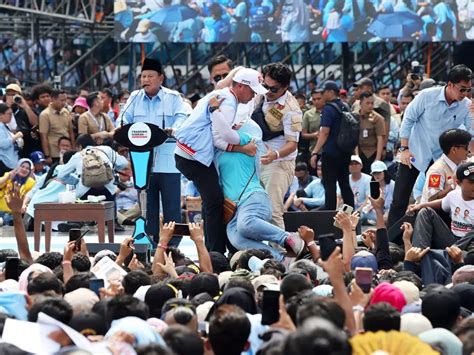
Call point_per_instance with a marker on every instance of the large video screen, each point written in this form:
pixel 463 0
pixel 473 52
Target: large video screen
pixel 212 21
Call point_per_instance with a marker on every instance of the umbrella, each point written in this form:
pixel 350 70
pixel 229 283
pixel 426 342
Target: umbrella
pixel 172 14
pixel 396 25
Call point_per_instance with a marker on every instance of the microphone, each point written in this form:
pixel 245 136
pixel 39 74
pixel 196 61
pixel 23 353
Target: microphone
pixel 126 108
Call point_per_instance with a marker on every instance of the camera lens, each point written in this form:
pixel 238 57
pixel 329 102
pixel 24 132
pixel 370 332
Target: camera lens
pixel 17 99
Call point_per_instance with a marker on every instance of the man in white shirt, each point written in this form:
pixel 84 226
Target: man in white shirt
pixel 430 230
pixel 441 176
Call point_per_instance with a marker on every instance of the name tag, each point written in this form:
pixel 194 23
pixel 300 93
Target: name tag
pixel 275 113
pixel 365 133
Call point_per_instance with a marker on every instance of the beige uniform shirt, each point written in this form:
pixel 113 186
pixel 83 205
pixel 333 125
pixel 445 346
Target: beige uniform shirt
pixel 55 125
pixel 311 124
pixel 442 172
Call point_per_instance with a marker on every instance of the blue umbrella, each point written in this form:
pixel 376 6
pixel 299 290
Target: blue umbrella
pixel 396 25
pixel 172 14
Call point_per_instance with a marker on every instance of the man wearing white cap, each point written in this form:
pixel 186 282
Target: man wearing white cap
pixel 209 126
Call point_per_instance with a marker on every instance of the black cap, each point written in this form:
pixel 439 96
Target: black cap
pixel 441 306
pixel 465 171
pixel 330 85
pixel 152 64
pixel 363 81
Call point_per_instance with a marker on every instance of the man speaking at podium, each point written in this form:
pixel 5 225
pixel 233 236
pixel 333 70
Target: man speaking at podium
pixel 163 107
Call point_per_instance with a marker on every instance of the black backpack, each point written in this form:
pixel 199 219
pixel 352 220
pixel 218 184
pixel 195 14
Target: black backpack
pixel 348 137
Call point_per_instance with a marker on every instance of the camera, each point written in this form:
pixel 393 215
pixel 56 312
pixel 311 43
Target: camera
pixel 18 144
pixel 121 186
pixel 17 99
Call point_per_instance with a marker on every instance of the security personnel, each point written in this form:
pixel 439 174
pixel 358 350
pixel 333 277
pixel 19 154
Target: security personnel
pixel 279 116
pixel 163 107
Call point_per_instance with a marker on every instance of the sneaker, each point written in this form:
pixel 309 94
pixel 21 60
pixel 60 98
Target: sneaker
pixel 119 228
pixel 65 227
pixel 295 243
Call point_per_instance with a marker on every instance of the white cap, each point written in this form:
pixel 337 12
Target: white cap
pixel 357 159
pixel 377 167
pixel 252 78
pixel 13 87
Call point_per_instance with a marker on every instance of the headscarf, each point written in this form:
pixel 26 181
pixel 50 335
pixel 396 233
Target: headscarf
pixel 238 296
pixel 19 179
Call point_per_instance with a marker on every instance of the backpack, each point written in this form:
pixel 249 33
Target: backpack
pixel 95 171
pixel 348 137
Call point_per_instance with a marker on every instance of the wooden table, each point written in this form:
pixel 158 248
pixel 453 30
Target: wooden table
pixel 102 213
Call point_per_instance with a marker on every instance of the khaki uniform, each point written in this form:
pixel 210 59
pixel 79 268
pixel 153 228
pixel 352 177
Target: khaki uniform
pixel 441 173
pixel 55 125
pixel 311 124
pixel 88 124
pixel 370 128
pixel 282 115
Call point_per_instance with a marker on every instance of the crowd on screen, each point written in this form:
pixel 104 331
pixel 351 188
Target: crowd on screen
pixel 401 274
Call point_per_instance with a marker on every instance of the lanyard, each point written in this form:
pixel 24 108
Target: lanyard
pixel 101 128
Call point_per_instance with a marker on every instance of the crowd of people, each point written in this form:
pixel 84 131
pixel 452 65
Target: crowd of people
pixel 250 150
pixel 292 21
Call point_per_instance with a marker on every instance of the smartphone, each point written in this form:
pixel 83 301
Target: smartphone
pixel 345 209
pixel 374 189
pixel 74 234
pixel 181 229
pixel 363 278
pixel 95 285
pixel 327 244
pixel 12 268
pixel 270 307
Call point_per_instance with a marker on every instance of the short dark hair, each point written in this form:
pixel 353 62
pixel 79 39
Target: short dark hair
pixel 44 282
pixel 76 281
pixel 80 262
pixel 322 307
pixel 54 307
pixel 459 73
pixel 183 341
pixel 64 138
pixel 308 266
pixel 123 93
pixel 55 93
pixel 452 138
pixel 126 306
pixel 300 96
pixel 50 259
pixel 204 282
pixel 292 284
pixel 240 282
pixel 383 87
pixel 85 140
pixel 157 295
pixel 381 316
pixel 134 279
pixel 364 96
pixel 301 166
pixel 229 329
pixel 317 336
pixel 91 98
pixel 219 59
pixel 108 92
pixel 408 93
pixel 4 108
pixel 279 72
pixel 39 90
pixel 5 253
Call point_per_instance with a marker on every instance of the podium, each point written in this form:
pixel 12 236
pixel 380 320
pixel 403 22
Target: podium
pixel 141 138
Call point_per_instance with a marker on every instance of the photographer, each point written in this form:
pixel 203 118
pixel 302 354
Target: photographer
pixel 8 141
pixel 26 120
pixel 126 197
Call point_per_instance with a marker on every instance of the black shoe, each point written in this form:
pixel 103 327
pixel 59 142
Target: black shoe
pixel 119 228
pixel 128 222
pixel 65 227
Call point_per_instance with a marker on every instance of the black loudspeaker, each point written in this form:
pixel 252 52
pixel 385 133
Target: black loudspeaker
pixel 322 222
pixel 141 250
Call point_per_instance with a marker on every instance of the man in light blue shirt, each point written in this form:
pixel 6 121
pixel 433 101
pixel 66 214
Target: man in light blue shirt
pixel 432 112
pixel 163 107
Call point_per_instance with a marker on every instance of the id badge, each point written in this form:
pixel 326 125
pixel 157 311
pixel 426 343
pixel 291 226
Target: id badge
pixel 365 133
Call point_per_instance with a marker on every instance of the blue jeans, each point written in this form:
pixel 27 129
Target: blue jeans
pixel 250 225
pixel 7 218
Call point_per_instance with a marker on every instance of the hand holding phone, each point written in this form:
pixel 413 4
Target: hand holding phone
pixel 327 244
pixel 270 307
pixel 363 278
pixel 181 229
pixel 95 285
pixel 374 190
pixel 345 209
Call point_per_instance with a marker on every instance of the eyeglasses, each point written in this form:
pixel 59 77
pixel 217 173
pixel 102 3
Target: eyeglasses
pixel 463 90
pixel 272 89
pixel 219 77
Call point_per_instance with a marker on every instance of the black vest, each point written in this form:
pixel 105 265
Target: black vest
pixel 259 117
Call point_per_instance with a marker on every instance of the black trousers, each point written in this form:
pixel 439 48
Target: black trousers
pixel 336 169
pixel 4 169
pixel 206 181
pixel 366 162
pixel 404 183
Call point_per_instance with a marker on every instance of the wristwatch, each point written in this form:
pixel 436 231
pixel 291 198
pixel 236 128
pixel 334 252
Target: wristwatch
pixel 403 148
pixel 213 108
